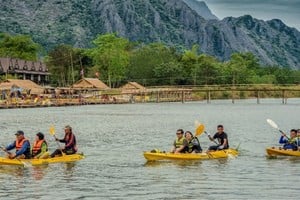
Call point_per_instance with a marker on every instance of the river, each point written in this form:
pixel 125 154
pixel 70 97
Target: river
pixel 113 138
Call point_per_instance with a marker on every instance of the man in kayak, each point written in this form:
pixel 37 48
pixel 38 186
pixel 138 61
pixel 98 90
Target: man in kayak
pixel 180 144
pixel 70 143
pixel 289 143
pixel 193 143
pixel 222 139
pixel 40 147
pixel 22 146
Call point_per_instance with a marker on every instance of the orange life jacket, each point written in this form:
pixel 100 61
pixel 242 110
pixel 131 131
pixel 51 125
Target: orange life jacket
pixel 37 146
pixel 19 144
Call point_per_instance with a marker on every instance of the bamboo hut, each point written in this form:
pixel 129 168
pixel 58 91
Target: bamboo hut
pixel 132 87
pixel 90 83
pixel 24 86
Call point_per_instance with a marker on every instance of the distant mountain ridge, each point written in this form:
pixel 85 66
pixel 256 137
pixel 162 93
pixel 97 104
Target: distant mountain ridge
pixel 173 22
pixel 201 8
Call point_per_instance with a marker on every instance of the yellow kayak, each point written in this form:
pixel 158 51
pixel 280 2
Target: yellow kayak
pixel 35 162
pixel 153 156
pixel 275 151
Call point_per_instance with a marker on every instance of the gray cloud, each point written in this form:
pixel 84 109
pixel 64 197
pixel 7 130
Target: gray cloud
pixel 286 10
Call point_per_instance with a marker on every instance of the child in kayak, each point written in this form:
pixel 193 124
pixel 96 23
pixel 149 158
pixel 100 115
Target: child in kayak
pixel 222 139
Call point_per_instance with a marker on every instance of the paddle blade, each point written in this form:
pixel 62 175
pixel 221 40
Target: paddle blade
pixel 52 130
pixel 272 123
pixel 199 130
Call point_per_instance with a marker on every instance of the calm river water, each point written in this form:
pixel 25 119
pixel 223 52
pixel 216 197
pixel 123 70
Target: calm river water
pixel 113 138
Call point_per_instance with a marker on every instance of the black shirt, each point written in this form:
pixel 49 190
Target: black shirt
pixel 221 137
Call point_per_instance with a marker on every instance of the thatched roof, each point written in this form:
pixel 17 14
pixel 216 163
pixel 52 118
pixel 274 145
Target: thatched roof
pixel 22 84
pixel 87 83
pixel 132 86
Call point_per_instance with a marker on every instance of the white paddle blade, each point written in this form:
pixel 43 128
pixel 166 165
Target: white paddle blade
pixel 272 123
pixel 197 123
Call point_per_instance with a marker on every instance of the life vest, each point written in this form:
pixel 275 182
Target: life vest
pixel 37 147
pixel 179 142
pixel 19 144
pixel 194 143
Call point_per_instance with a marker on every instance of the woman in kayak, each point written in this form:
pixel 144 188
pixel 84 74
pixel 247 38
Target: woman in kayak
pixel 289 143
pixel 70 143
pixel 40 147
pixel 193 143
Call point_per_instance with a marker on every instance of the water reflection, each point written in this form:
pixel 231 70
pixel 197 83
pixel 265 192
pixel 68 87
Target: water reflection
pixel 12 170
pixel 180 163
pixel 38 172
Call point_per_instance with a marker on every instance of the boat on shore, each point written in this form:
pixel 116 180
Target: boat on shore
pixel 278 151
pixel 155 156
pixel 36 162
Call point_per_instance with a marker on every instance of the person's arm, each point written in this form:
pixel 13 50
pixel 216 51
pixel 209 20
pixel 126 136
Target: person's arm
pixel 23 149
pixel 282 140
pixel 185 143
pixel 11 146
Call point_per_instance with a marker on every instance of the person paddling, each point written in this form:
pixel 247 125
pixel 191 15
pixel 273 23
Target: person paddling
pixel 40 147
pixel 180 144
pixel 222 139
pixel 289 143
pixel 70 143
pixel 22 146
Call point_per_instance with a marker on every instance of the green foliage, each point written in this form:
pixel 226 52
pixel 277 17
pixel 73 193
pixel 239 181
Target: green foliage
pixel 19 46
pixel 111 57
pixel 65 63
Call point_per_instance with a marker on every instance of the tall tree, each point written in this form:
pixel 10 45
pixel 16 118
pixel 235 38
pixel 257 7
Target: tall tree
pixel 111 57
pixel 65 64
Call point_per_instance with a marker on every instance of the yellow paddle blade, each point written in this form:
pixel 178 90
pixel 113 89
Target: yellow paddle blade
pixel 199 130
pixel 52 130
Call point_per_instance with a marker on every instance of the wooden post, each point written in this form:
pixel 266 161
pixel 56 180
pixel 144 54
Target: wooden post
pixel 208 96
pixel 258 98
pixel 284 98
pixel 157 97
pixel 182 96
pixel 232 94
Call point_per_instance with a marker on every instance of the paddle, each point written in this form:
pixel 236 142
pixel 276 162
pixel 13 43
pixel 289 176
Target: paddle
pixel 274 125
pixel 52 132
pixel 199 130
pixel 26 164
pixel 209 138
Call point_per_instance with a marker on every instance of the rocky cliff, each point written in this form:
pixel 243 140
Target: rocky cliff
pixel 174 22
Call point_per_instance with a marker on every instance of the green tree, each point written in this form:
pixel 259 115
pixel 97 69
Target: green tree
pixel 65 64
pixel 19 46
pixel 111 57
pixel 207 70
pixel 154 64
pixel 189 62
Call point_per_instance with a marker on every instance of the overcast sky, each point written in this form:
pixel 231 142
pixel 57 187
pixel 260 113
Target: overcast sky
pixel 286 10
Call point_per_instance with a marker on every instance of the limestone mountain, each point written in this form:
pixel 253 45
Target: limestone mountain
pixel 174 22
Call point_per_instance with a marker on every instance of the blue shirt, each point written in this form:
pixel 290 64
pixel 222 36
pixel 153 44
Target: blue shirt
pixel 25 146
pixel 287 145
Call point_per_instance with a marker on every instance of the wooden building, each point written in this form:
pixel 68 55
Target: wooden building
pixel 132 87
pixel 25 70
pixel 90 83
